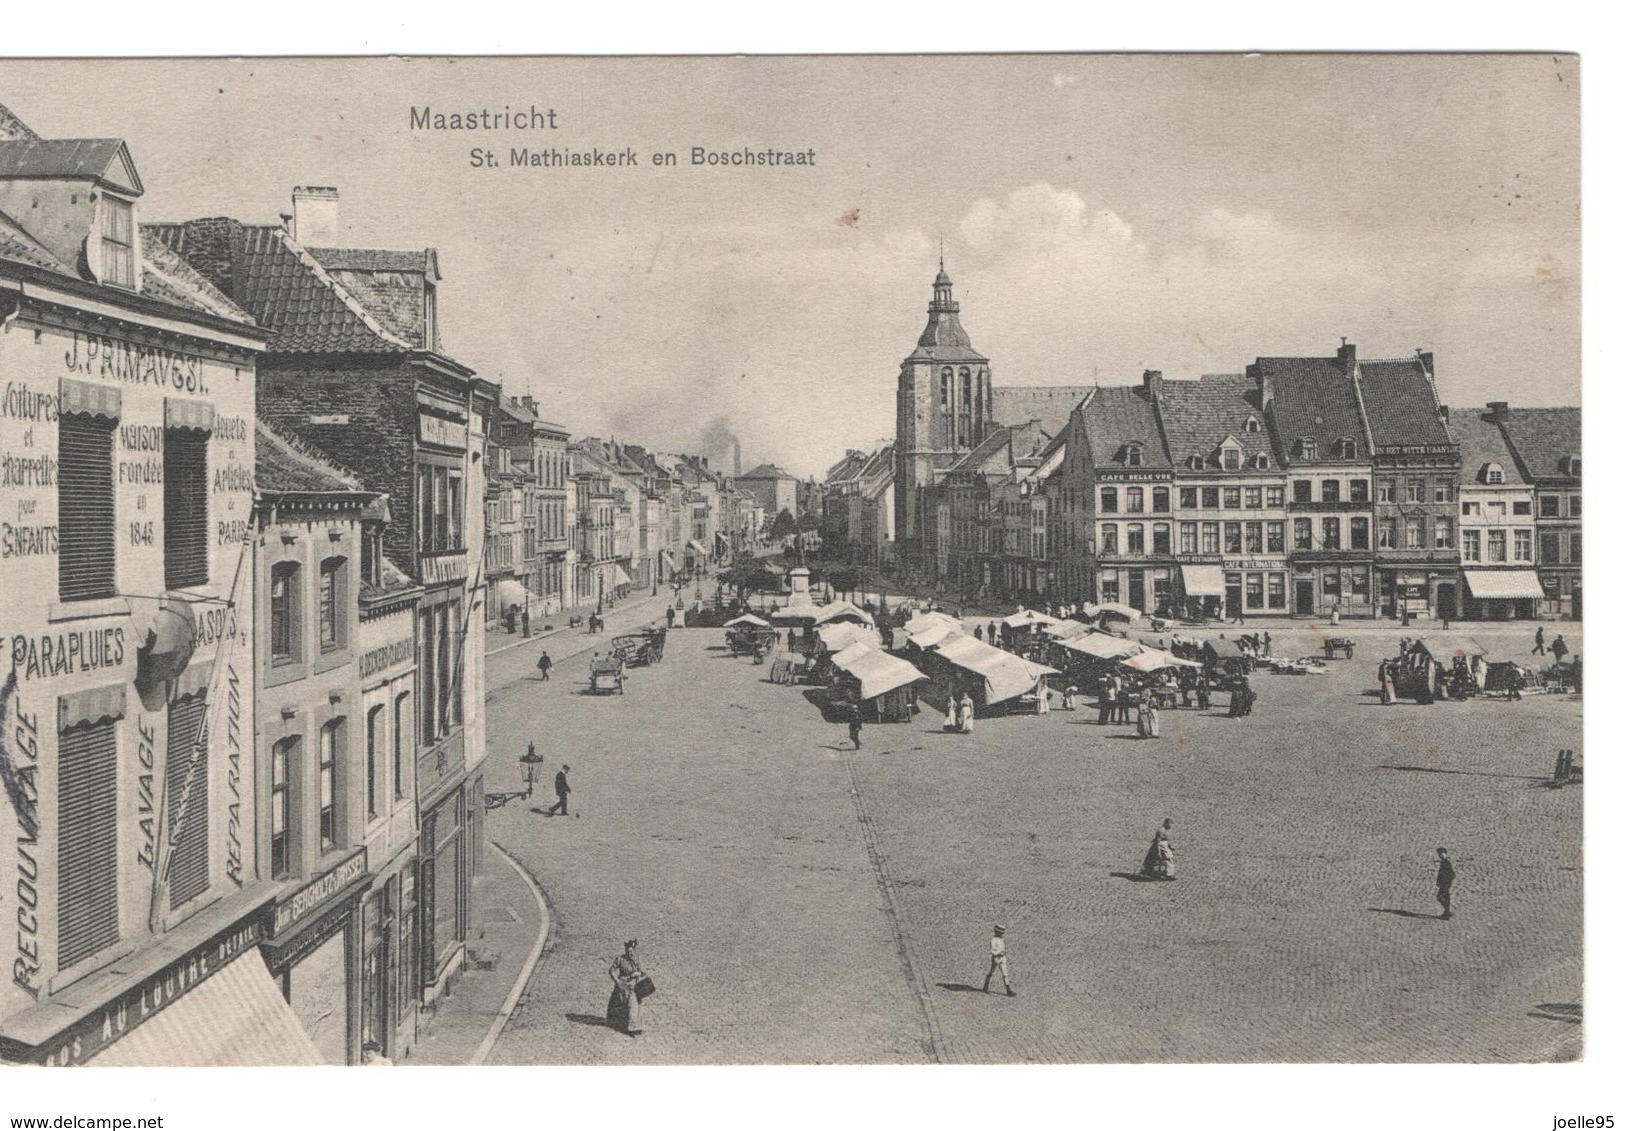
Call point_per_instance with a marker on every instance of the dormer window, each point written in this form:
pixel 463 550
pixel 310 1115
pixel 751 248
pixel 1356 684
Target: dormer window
pixel 1345 448
pixel 1261 461
pixel 118 242
pixel 1494 473
pixel 1230 454
pixel 1196 463
pixel 1131 455
pixel 1308 449
pixel 1252 424
pixel 1569 465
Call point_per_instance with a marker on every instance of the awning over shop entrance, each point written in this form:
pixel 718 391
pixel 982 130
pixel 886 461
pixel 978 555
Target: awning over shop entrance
pixel 698 549
pixel 1203 580
pixel 237 1018
pixel 509 594
pixel 1503 584
pixel 621 577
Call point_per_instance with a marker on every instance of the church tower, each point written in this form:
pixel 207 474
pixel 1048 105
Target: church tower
pixel 944 409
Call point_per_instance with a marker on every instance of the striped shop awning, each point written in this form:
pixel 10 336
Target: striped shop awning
pixel 235 1018
pixel 86 398
pixel 85 708
pixel 181 413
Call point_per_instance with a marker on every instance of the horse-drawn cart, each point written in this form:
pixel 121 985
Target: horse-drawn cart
pixel 1335 646
pixel 608 675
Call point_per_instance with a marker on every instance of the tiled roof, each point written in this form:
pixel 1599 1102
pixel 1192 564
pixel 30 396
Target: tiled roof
pixel 282 467
pixel 17 244
pixel 1197 416
pixel 166 276
pixel 1051 405
pixel 369 259
pixel 70 158
pixel 1482 444
pixel 1313 399
pixel 390 284
pixel 1541 437
pixel 1401 404
pixel 1003 447
pixel 290 294
pixel 1113 416
pixel 767 471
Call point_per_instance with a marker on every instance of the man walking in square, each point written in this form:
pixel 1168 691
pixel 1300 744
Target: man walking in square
pixel 561 789
pixel 1445 879
pixel 1540 642
pixel 999 961
pixel 544 664
pixel 854 726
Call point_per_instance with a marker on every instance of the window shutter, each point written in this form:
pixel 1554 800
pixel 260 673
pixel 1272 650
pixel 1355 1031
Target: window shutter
pixel 85 556
pixel 189 851
pixel 87 847
pixel 186 507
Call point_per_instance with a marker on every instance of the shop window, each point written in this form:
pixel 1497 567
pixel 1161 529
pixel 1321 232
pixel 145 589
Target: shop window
pixel 1275 537
pixel 186 507
pixel 87 841
pixel 284 760
pixel 1331 534
pixel 1255 590
pixel 186 785
pixel 1109 590
pixel 1277 588
pixel 331 605
pixel 284 612
pixel 1359 533
pixel 1210 498
pixel 1331 583
pixel 1359 586
pixel 85 535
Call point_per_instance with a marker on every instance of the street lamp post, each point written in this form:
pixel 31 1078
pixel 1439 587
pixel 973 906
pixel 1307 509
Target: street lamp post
pixel 530 760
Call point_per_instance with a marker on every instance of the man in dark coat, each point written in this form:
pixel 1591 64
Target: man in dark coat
pixel 1559 648
pixel 671 616
pixel 544 664
pixel 1540 642
pixel 561 789
pixel 854 726
pixel 1444 880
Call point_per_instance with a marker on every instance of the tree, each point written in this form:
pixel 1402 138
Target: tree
pixel 784 525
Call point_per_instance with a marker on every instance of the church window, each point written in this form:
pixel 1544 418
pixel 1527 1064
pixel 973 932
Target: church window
pixel 944 384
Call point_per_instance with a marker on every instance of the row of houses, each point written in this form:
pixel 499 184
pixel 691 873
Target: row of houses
pixel 1297 487
pixel 572 523
pixel 247 537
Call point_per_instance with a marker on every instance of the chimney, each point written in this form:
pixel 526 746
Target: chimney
pixel 1153 383
pixel 528 401
pixel 1498 411
pixel 316 216
pixel 736 457
pixel 1426 358
pixel 1345 357
pixel 1266 387
pixel 1444 413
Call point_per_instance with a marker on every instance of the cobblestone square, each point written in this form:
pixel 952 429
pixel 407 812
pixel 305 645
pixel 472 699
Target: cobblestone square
pixel 799 902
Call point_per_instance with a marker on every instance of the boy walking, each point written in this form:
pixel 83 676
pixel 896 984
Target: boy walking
pixel 1000 961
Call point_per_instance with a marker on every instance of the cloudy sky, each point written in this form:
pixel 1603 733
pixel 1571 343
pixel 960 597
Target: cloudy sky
pixel 1100 215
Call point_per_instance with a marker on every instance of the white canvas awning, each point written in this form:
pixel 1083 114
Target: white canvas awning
pixel 621 577
pixel 1004 675
pixel 1069 629
pixel 746 618
pixel 878 673
pixel 841 611
pixel 1153 659
pixel 1503 584
pixel 235 1018
pixel 1203 580
pixel 698 548
pixel 1102 646
pixel 839 635
pixel 509 594
pixel 930 635
pixel 1026 618
pixel 845 657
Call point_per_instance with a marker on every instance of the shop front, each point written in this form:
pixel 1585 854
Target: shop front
pixel 1320 588
pixel 442 891
pixel 1149 588
pixel 1420 593
pixel 1501 594
pixel 313 949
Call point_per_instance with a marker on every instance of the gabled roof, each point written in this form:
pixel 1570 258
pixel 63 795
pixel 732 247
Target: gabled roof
pixel 1004 448
pixel 1481 445
pixel 166 276
pixel 1051 404
pixel 847 466
pixel 17 244
pixel 1541 438
pixel 285 288
pixel 105 160
pixel 1115 416
pixel 389 283
pixel 1401 404
pixel 1314 399
pixel 282 466
pixel 1198 416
